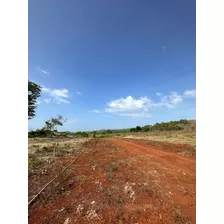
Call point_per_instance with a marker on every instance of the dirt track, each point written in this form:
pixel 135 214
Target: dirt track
pixel 121 181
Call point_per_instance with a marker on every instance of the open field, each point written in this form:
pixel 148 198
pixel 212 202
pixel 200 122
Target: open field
pixel 114 180
pixel 185 136
pixel 182 137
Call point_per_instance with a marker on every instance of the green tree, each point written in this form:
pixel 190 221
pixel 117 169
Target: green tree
pixel 108 131
pixel 146 128
pixel 138 128
pixel 34 91
pixel 53 122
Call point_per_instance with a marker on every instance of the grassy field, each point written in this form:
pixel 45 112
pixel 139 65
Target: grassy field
pixel 180 137
pixel 185 136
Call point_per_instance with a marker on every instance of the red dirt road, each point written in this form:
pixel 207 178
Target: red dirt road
pixel 179 173
pixel 121 181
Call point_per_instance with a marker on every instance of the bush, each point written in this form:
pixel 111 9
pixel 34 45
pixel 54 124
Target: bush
pixel 39 133
pixel 82 134
pixel 132 130
pixel 138 128
pixel 85 135
pixel 146 128
pixel 165 126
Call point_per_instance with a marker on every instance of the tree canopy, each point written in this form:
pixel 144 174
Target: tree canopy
pixel 53 122
pixel 34 92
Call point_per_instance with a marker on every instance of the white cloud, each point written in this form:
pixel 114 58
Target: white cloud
pixel 169 101
pixel 136 115
pixel 190 93
pixel 43 71
pixel 47 101
pixel 61 100
pixel 78 93
pixel 56 92
pixel 140 107
pixel 127 104
pixel 57 95
pixel 95 111
pixel 175 98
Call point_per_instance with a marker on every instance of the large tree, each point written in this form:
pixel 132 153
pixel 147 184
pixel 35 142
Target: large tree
pixel 53 122
pixel 34 91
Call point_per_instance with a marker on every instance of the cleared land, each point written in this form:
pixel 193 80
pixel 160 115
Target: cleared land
pixel 115 180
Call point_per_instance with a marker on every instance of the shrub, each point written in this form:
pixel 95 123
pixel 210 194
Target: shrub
pixel 132 130
pixel 165 126
pixel 39 133
pixel 146 128
pixel 82 134
pixel 85 135
pixel 108 131
pixel 138 128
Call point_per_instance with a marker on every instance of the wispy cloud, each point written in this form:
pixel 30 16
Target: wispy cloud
pixel 78 93
pixel 136 115
pixel 95 111
pixel 140 107
pixel 190 93
pixel 56 95
pixel 60 100
pixel 43 71
pixel 47 101
pixel 169 101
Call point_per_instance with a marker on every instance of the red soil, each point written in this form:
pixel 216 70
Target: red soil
pixel 120 181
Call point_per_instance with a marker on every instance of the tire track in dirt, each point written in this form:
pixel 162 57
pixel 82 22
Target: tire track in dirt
pixel 178 173
pixel 187 164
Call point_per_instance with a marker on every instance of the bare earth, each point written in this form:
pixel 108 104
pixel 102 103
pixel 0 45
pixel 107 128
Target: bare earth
pixel 118 181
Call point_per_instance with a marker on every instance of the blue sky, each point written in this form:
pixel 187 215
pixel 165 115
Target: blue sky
pixel 113 63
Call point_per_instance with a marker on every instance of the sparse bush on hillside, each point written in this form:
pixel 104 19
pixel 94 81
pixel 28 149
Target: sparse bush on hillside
pixel 132 130
pixel 82 134
pixel 146 128
pixel 165 126
pixel 40 133
pixel 183 121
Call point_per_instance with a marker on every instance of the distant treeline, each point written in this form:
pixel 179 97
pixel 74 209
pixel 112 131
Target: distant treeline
pixel 163 126
pixel 43 133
